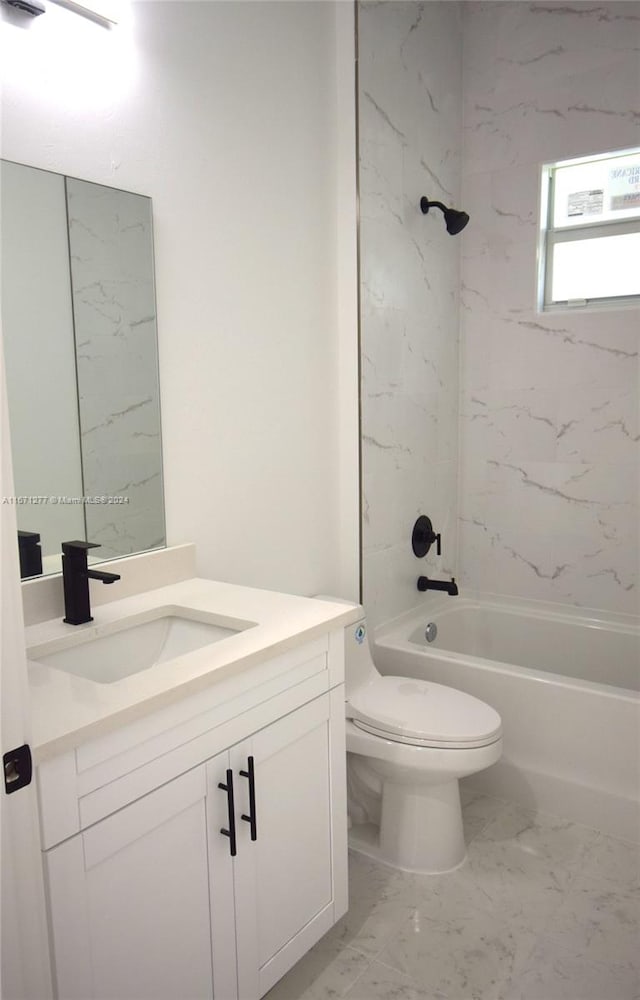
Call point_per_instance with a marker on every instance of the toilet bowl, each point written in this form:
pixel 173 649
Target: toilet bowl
pixel 408 744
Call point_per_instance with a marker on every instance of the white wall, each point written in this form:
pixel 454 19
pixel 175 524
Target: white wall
pixel 232 117
pixel 410 106
pixel 550 436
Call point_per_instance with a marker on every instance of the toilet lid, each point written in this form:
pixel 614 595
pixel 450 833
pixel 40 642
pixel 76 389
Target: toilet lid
pixel 429 714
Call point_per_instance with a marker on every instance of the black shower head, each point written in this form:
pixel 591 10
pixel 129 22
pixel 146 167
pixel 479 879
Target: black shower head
pixel 455 220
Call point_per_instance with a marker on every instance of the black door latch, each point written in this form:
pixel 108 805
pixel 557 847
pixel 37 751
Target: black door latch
pixel 18 768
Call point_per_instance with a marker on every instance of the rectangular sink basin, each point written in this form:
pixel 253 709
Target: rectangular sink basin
pixel 133 645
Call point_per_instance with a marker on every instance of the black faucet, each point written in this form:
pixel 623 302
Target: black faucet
pixel 449 586
pixel 30 554
pixel 75 579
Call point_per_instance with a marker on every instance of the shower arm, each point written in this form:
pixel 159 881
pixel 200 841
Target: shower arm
pixel 432 204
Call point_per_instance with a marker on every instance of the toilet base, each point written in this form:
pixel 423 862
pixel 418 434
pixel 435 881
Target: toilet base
pixel 420 829
pixel 410 795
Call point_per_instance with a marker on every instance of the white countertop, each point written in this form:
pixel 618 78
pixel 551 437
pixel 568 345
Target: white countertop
pixel 67 710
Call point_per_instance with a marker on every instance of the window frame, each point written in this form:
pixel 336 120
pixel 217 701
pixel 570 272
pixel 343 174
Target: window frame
pixel 550 236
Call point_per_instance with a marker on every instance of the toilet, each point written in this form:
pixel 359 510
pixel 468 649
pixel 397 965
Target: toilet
pixel 408 743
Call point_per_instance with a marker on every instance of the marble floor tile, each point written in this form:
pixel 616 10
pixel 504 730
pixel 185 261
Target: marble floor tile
pixel 380 982
pixel 473 956
pixel 618 861
pixel 523 890
pixel 547 838
pixel 324 973
pixel 380 899
pixel 477 812
pixel 554 974
pixel 599 922
pixel 542 909
pixel 522 864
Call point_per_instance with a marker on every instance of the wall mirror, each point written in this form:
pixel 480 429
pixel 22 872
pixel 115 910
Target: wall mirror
pixel 80 346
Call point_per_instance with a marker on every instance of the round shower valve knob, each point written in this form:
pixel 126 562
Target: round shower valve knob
pixel 423 537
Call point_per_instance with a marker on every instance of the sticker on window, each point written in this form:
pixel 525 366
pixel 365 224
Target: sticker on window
pixel 624 185
pixel 585 203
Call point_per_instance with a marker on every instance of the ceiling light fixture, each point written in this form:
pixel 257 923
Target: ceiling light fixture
pixel 104 11
pixel 32 7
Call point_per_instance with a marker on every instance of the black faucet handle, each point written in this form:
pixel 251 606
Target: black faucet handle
pixel 423 537
pixel 28 537
pixel 81 546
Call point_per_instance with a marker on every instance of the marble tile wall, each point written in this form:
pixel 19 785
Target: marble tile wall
pixel 549 402
pixel 410 101
pixel 111 252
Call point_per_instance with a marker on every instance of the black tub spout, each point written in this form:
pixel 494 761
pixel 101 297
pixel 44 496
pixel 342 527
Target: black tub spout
pixel 450 587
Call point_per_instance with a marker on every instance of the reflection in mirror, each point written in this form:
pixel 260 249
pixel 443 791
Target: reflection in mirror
pixel 79 330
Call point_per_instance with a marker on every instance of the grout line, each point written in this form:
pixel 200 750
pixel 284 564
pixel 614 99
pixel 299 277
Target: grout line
pixel 400 972
pixel 358 977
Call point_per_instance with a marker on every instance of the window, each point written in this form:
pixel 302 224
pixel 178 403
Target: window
pixel 590 237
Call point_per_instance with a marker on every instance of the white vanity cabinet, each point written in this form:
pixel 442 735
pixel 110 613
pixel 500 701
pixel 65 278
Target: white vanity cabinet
pixel 283 879
pixel 171 888
pixel 129 900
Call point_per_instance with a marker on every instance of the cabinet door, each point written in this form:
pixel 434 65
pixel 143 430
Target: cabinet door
pixel 283 878
pixel 129 900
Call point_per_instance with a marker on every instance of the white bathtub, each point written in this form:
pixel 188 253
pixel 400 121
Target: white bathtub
pixel 566 685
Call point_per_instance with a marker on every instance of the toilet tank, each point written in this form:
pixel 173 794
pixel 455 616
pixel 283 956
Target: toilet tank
pixel 359 667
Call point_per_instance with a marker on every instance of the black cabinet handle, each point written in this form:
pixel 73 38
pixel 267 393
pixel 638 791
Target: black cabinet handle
pixel 231 832
pixel 251 818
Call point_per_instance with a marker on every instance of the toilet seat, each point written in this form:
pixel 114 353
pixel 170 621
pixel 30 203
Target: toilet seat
pixel 420 713
pixel 415 741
